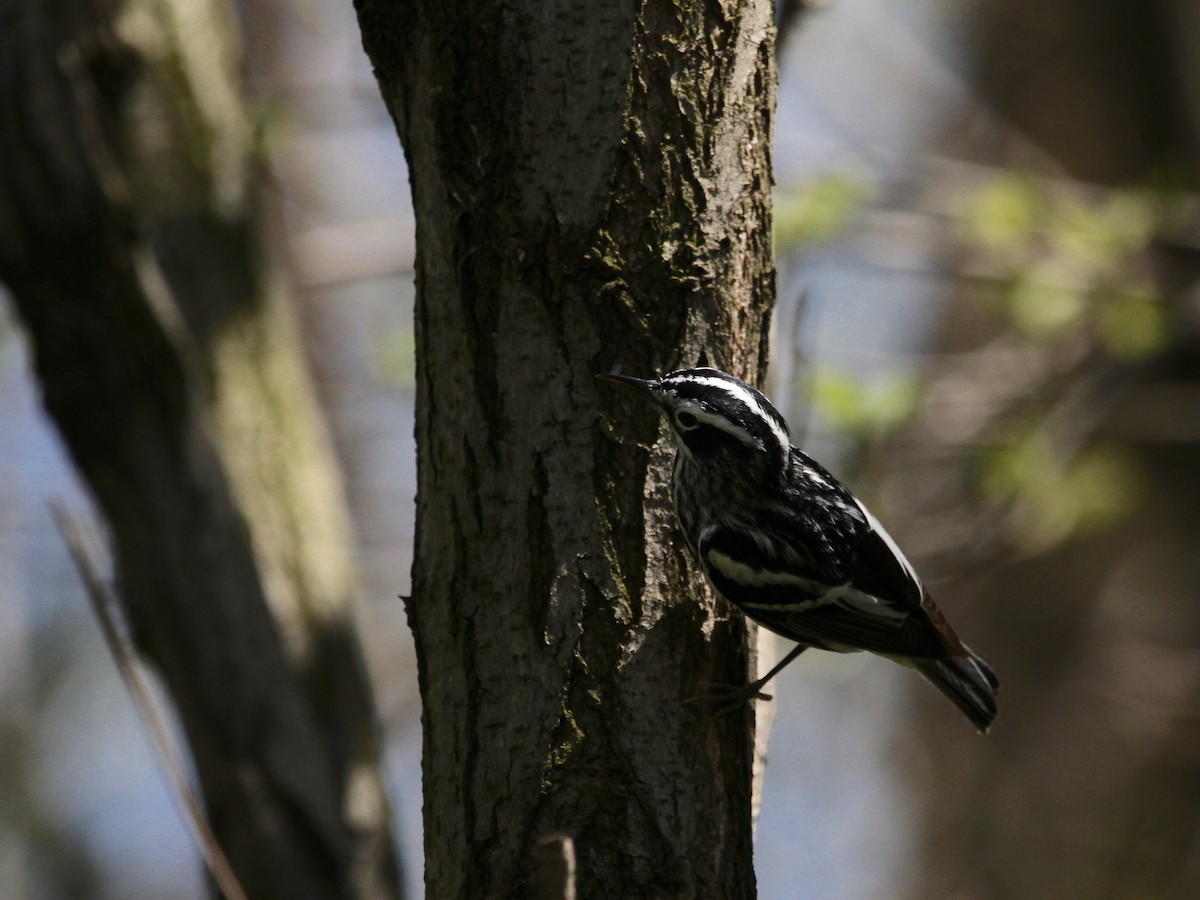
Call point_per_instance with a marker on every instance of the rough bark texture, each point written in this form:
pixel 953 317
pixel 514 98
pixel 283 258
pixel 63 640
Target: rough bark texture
pixel 129 239
pixel 591 185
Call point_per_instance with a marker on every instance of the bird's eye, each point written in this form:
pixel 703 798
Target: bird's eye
pixel 686 420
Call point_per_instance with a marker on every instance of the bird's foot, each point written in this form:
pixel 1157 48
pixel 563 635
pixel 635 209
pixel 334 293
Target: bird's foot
pixel 728 698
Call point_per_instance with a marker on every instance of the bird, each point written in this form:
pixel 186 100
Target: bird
pixel 785 542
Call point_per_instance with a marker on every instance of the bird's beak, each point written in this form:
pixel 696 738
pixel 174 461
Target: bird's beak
pixel 639 386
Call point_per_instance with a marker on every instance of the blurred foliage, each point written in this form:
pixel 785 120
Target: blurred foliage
pixel 1065 270
pixel 1004 214
pixel 395 357
pixel 1053 496
pixel 1045 305
pixel 1067 265
pixel 274 130
pixel 817 210
pixel 865 411
pixel 1066 260
pixel 1132 324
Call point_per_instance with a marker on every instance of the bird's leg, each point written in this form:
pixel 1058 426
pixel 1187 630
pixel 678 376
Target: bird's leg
pixel 754 688
pixel 733 696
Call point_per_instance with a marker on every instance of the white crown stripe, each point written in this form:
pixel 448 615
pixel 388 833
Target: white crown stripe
pixel 749 399
pixel 721 423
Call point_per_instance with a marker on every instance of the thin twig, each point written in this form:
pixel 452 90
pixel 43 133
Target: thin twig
pixel 104 605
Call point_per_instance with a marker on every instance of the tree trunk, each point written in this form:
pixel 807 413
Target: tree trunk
pixel 591 186
pixel 130 239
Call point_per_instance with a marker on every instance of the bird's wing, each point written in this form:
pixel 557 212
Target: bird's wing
pixel 867 597
pixel 884 568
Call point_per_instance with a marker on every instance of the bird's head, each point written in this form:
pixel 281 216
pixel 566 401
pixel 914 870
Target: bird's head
pixel 714 415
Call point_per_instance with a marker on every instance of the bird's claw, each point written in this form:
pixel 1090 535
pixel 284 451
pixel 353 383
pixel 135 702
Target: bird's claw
pixel 730 698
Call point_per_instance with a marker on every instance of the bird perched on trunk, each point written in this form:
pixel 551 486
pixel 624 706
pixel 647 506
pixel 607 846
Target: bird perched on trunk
pixel 787 544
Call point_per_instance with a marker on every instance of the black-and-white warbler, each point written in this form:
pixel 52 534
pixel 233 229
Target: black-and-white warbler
pixel 790 546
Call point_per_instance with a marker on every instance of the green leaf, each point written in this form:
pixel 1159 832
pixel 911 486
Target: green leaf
pixel 892 403
pixel 396 357
pixel 1052 499
pixel 1005 214
pixel 1132 325
pixel 1104 482
pixel 865 410
pixel 817 210
pixel 1044 306
pixel 839 399
pixel 1099 237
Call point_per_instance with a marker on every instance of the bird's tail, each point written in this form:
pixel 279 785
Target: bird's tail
pixel 968 681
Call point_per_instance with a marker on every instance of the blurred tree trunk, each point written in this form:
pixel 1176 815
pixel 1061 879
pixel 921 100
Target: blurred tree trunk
pixel 591 185
pixel 1103 88
pixel 130 239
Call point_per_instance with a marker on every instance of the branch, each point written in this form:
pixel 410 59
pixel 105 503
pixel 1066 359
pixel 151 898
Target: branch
pixel 106 607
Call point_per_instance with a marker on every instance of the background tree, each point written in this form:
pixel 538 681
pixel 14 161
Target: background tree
pixel 591 190
pixel 131 241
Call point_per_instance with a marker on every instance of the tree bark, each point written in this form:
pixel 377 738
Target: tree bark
pixel 130 239
pixel 591 186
